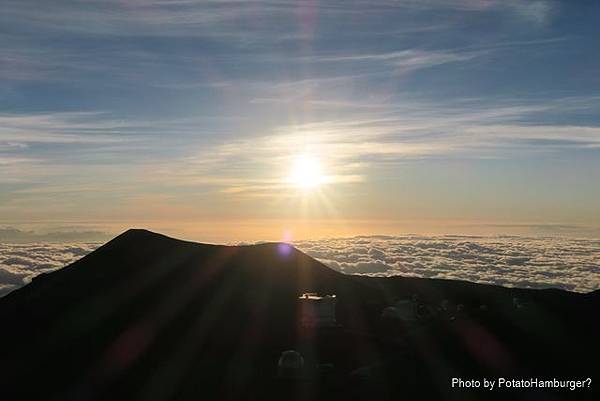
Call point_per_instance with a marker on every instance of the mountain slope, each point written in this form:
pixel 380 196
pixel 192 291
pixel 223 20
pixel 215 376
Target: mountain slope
pixel 142 294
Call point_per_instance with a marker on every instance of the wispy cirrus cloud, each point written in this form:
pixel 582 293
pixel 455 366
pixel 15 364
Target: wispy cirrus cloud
pixel 177 17
pixel 271 29
pixel 380 134
pixel 405 59
pixel 110 103
pixel 60 127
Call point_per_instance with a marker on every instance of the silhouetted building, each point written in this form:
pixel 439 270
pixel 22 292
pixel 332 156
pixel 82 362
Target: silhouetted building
pixel 317 310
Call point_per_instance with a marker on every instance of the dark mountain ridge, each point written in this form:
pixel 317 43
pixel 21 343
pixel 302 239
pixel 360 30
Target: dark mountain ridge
pixel 150 317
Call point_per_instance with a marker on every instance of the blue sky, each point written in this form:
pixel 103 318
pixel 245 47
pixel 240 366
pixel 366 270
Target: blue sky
pixel 186 116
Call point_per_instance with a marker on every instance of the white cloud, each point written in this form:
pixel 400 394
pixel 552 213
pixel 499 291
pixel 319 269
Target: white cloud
pixel 19 263
pixel 571 264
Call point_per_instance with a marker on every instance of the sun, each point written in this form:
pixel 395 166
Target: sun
pixel 306 173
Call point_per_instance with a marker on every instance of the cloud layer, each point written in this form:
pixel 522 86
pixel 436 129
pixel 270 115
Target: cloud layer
pixel 19 263
pixel 570 264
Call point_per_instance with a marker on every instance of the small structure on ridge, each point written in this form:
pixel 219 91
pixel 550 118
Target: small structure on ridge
pixel 317 311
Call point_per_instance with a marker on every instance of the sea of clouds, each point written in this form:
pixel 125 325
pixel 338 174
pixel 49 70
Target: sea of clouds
pixel 19 263
pixel 567 263
pixel 570 264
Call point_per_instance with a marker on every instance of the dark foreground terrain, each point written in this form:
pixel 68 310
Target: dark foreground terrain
pixel 147 317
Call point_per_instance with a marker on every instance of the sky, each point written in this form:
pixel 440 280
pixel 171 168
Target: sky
pixel 255 120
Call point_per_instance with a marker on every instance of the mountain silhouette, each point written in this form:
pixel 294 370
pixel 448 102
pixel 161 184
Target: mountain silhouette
pixel 148 317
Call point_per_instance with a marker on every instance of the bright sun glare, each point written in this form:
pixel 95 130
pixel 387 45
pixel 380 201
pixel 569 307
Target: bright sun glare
pixel 306 173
